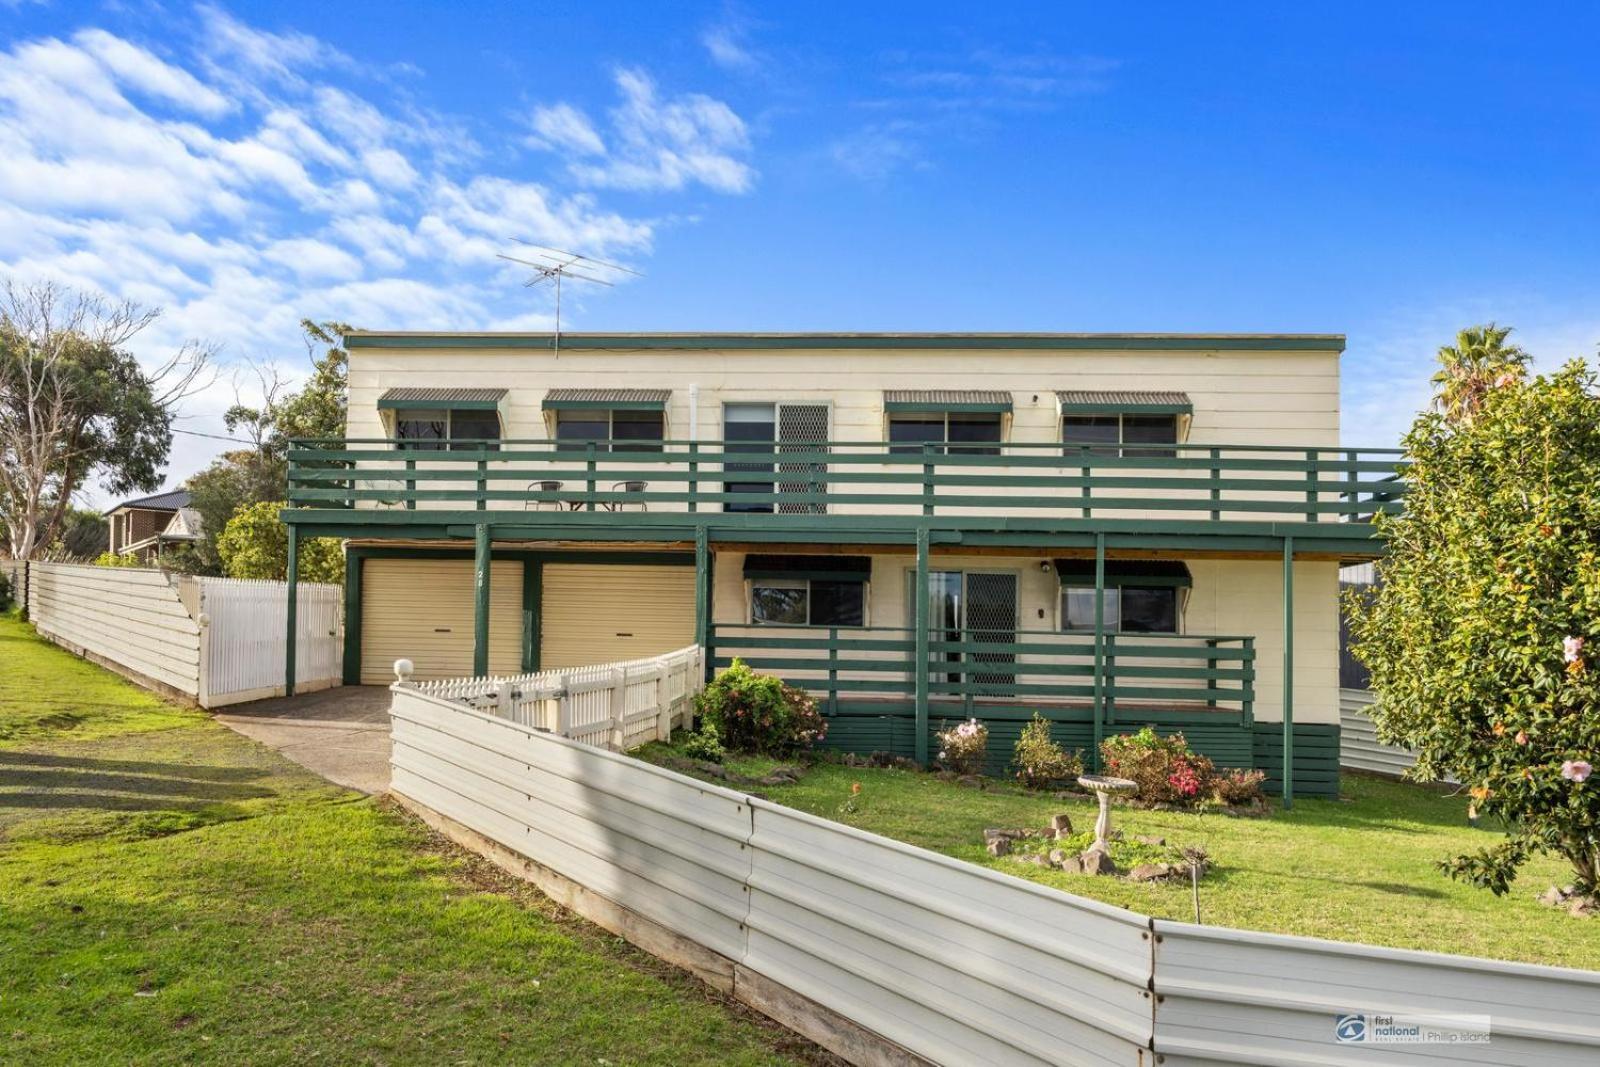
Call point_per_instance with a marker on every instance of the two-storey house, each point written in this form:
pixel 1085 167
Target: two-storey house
pixel 1111 530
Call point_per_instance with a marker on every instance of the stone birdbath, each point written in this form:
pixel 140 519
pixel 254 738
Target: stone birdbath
pixel 1104 789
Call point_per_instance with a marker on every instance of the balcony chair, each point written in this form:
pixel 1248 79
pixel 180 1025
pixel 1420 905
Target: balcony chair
pixel 548 505
pixel 628 487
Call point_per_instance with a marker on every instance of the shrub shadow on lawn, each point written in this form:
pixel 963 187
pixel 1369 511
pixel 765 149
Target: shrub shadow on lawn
pixel 186 771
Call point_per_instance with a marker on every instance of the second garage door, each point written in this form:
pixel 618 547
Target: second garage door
pixel 422 610
pixel 602 613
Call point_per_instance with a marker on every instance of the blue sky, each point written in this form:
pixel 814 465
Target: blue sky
pixel 1390 174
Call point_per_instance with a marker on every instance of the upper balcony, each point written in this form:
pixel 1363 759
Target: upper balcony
pixel 566 484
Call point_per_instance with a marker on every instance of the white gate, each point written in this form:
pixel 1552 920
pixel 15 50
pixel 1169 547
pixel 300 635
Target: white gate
pixel 244 639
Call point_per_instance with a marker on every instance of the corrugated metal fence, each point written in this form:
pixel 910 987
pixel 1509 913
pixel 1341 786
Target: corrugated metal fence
pixel 214 640
pixel 613 705
pixel 245 632
pixel 887 953
pixel 1359 747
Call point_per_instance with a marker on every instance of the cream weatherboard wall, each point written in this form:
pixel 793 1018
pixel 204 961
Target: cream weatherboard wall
pixel 1240 397
pixel 1231 597
pixel 609 612
pixel 422 610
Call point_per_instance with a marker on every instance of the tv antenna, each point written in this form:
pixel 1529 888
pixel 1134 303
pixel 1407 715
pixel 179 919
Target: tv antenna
pixel 556 264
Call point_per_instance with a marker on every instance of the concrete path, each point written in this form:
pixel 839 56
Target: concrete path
pixel 341 733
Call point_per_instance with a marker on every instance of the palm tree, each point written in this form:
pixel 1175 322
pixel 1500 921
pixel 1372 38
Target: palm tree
pixel 1479 361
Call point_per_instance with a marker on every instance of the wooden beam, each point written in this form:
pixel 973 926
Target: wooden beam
pixel 480 604
pixel 919 669
pixel 291 612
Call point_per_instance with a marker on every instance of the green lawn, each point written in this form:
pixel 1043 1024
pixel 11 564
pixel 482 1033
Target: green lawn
pixel 1356 869
pixel 171 892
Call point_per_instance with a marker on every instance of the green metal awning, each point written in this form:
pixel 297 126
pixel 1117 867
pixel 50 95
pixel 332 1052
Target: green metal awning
pixel 1123 402
pixel 818 568
pixel 919 401
pixel 1146 572
pixel 411 399
pixel 607 399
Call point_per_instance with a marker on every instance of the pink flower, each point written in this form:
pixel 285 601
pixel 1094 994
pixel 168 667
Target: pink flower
pixel 1508 378
pixel 1576 770
pixel 1572 648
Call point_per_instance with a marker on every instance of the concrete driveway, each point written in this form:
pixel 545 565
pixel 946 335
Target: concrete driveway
pixel 340 733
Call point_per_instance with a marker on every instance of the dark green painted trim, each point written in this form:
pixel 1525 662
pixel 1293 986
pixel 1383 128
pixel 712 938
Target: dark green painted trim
pixel 603 405
pixel 1288 673
pixel 1127 409
pixel 353 559
pixel 920 655
pixel 532 612
pixel 481 588
pixel 438 405
pixel 291 613
pixel 765 342
pixel 918 407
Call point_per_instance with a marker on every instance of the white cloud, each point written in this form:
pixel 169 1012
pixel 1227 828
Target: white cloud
pixel 241 179
pixel 656 143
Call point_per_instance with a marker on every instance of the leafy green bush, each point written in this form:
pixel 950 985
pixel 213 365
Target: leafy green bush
pixel 705 744
pixel 112 559
pixel 1165 769
pixel 5 592
pixel 964 747
pixel 1480 635
pixel 753 712
pixel 255 544
pixel 1041 762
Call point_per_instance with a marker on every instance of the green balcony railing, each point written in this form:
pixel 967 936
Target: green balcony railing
pixel 1053 672
pixel 1235 482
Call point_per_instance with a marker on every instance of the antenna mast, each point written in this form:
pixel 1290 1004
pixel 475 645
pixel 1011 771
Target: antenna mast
pixel 555 264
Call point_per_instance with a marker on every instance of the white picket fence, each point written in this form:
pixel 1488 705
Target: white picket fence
pixel 612 705
pixel 890 954
pixel 216 641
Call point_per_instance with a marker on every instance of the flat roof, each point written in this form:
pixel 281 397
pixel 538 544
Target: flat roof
pixel 1186 342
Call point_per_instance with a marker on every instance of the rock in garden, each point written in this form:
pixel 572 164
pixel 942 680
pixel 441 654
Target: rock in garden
pixel 1037 860
pixel 1555 897
pixel 999 846
pixel 1150 872
pixel 1071 865
pixel 1057 857
pixel 1583 907
pixel 1096 862
pixel 1147 839
pixel 971 781
pixel 1061 824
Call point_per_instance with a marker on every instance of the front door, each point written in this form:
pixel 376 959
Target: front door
pixel 974 607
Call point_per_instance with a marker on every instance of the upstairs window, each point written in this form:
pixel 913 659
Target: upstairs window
pixel 964 421
pixel 1123 423
pixel 611 430
pixel 613 420
pixel 432 420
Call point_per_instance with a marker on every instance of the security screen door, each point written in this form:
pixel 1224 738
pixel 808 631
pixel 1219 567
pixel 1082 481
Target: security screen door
pixel 980 604
pixel 761 430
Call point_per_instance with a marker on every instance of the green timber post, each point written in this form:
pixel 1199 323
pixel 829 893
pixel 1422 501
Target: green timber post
pixel 919 669
pixel 480 601
pixel 353 560
pixel 532 608
pixel 291 628
pixel 702 596
pixel 1288 672
pixel 1099 646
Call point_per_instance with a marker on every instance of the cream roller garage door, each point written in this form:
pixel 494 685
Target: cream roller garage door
pixel 601 613
pixel 421 610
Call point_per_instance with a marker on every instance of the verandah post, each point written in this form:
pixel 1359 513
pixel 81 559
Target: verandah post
pixel 702 594
pixel 1099 645
pixel 291 610
pixel 919 667
pixel 1288 672
pixel 480 601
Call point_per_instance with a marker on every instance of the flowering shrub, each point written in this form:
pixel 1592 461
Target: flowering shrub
pixel 753 712
pixel 1039 761
pixel 1240 787
pixel 1165 769
pixel 964 746
pixel 1481 636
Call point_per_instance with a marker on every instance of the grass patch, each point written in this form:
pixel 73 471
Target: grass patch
pixel 176 893
pixel 1357 869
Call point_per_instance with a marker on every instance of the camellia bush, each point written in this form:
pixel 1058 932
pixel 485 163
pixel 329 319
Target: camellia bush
pixel 964 747
pixel 1041 763
pixel 1483 633
pixel 1166 770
